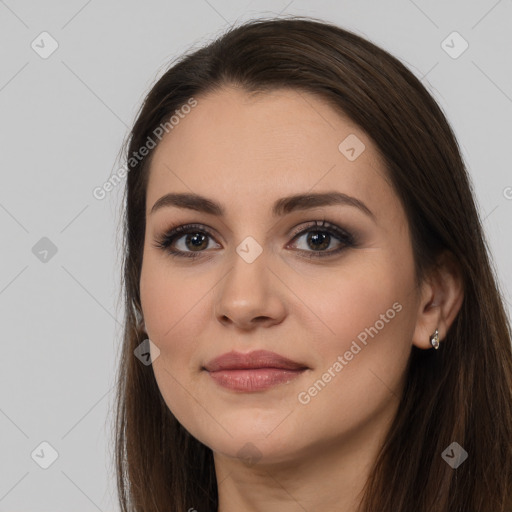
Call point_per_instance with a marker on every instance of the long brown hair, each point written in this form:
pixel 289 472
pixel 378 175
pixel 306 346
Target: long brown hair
pixel 461 393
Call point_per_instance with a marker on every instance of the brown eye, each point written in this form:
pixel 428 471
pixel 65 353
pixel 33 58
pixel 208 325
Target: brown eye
pixel 190 240
pixel 318 240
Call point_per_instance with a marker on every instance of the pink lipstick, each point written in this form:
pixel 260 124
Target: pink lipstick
pixel 254 371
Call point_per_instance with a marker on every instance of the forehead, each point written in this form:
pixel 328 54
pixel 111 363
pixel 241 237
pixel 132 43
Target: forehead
pixel 248 150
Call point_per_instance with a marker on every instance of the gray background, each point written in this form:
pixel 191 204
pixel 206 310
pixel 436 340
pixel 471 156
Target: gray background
pixel 63 119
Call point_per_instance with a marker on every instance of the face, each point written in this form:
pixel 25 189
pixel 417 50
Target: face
pixel 338 298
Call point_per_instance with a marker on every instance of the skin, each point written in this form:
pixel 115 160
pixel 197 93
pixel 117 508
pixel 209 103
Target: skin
pixel 245 152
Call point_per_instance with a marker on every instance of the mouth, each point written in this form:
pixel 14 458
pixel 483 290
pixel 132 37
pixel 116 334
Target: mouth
pixel 254 371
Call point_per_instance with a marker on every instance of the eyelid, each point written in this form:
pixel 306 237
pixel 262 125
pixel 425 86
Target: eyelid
pixel 178 230
pixel 168 238
pixel 323 225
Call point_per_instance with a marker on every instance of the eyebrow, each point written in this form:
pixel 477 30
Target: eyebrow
pixel 281 207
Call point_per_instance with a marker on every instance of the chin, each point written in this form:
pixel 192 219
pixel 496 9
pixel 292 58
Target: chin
pixel 250 451
pixel 266 441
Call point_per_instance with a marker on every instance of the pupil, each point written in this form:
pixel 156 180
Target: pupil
pixel 314 235
pixel 197 238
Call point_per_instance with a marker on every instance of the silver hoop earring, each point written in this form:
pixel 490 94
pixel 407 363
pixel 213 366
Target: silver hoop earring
pixel 434 339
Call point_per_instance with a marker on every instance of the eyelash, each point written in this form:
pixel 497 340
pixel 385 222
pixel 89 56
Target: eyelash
pixel 168 238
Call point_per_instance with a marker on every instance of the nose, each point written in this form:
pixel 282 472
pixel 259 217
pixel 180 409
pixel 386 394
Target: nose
pixel 250 295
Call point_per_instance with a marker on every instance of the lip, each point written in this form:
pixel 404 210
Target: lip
pixel 253 371
pixel 252 360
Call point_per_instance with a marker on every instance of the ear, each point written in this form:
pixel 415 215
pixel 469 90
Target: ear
pixel 442 294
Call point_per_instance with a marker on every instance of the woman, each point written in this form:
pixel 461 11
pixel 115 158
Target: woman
pixel 309 296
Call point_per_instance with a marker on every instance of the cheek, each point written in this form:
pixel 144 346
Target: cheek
pixel 176 316
pixel 170 299
pixel 178 311
pixel 355 297
pixel 370 321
